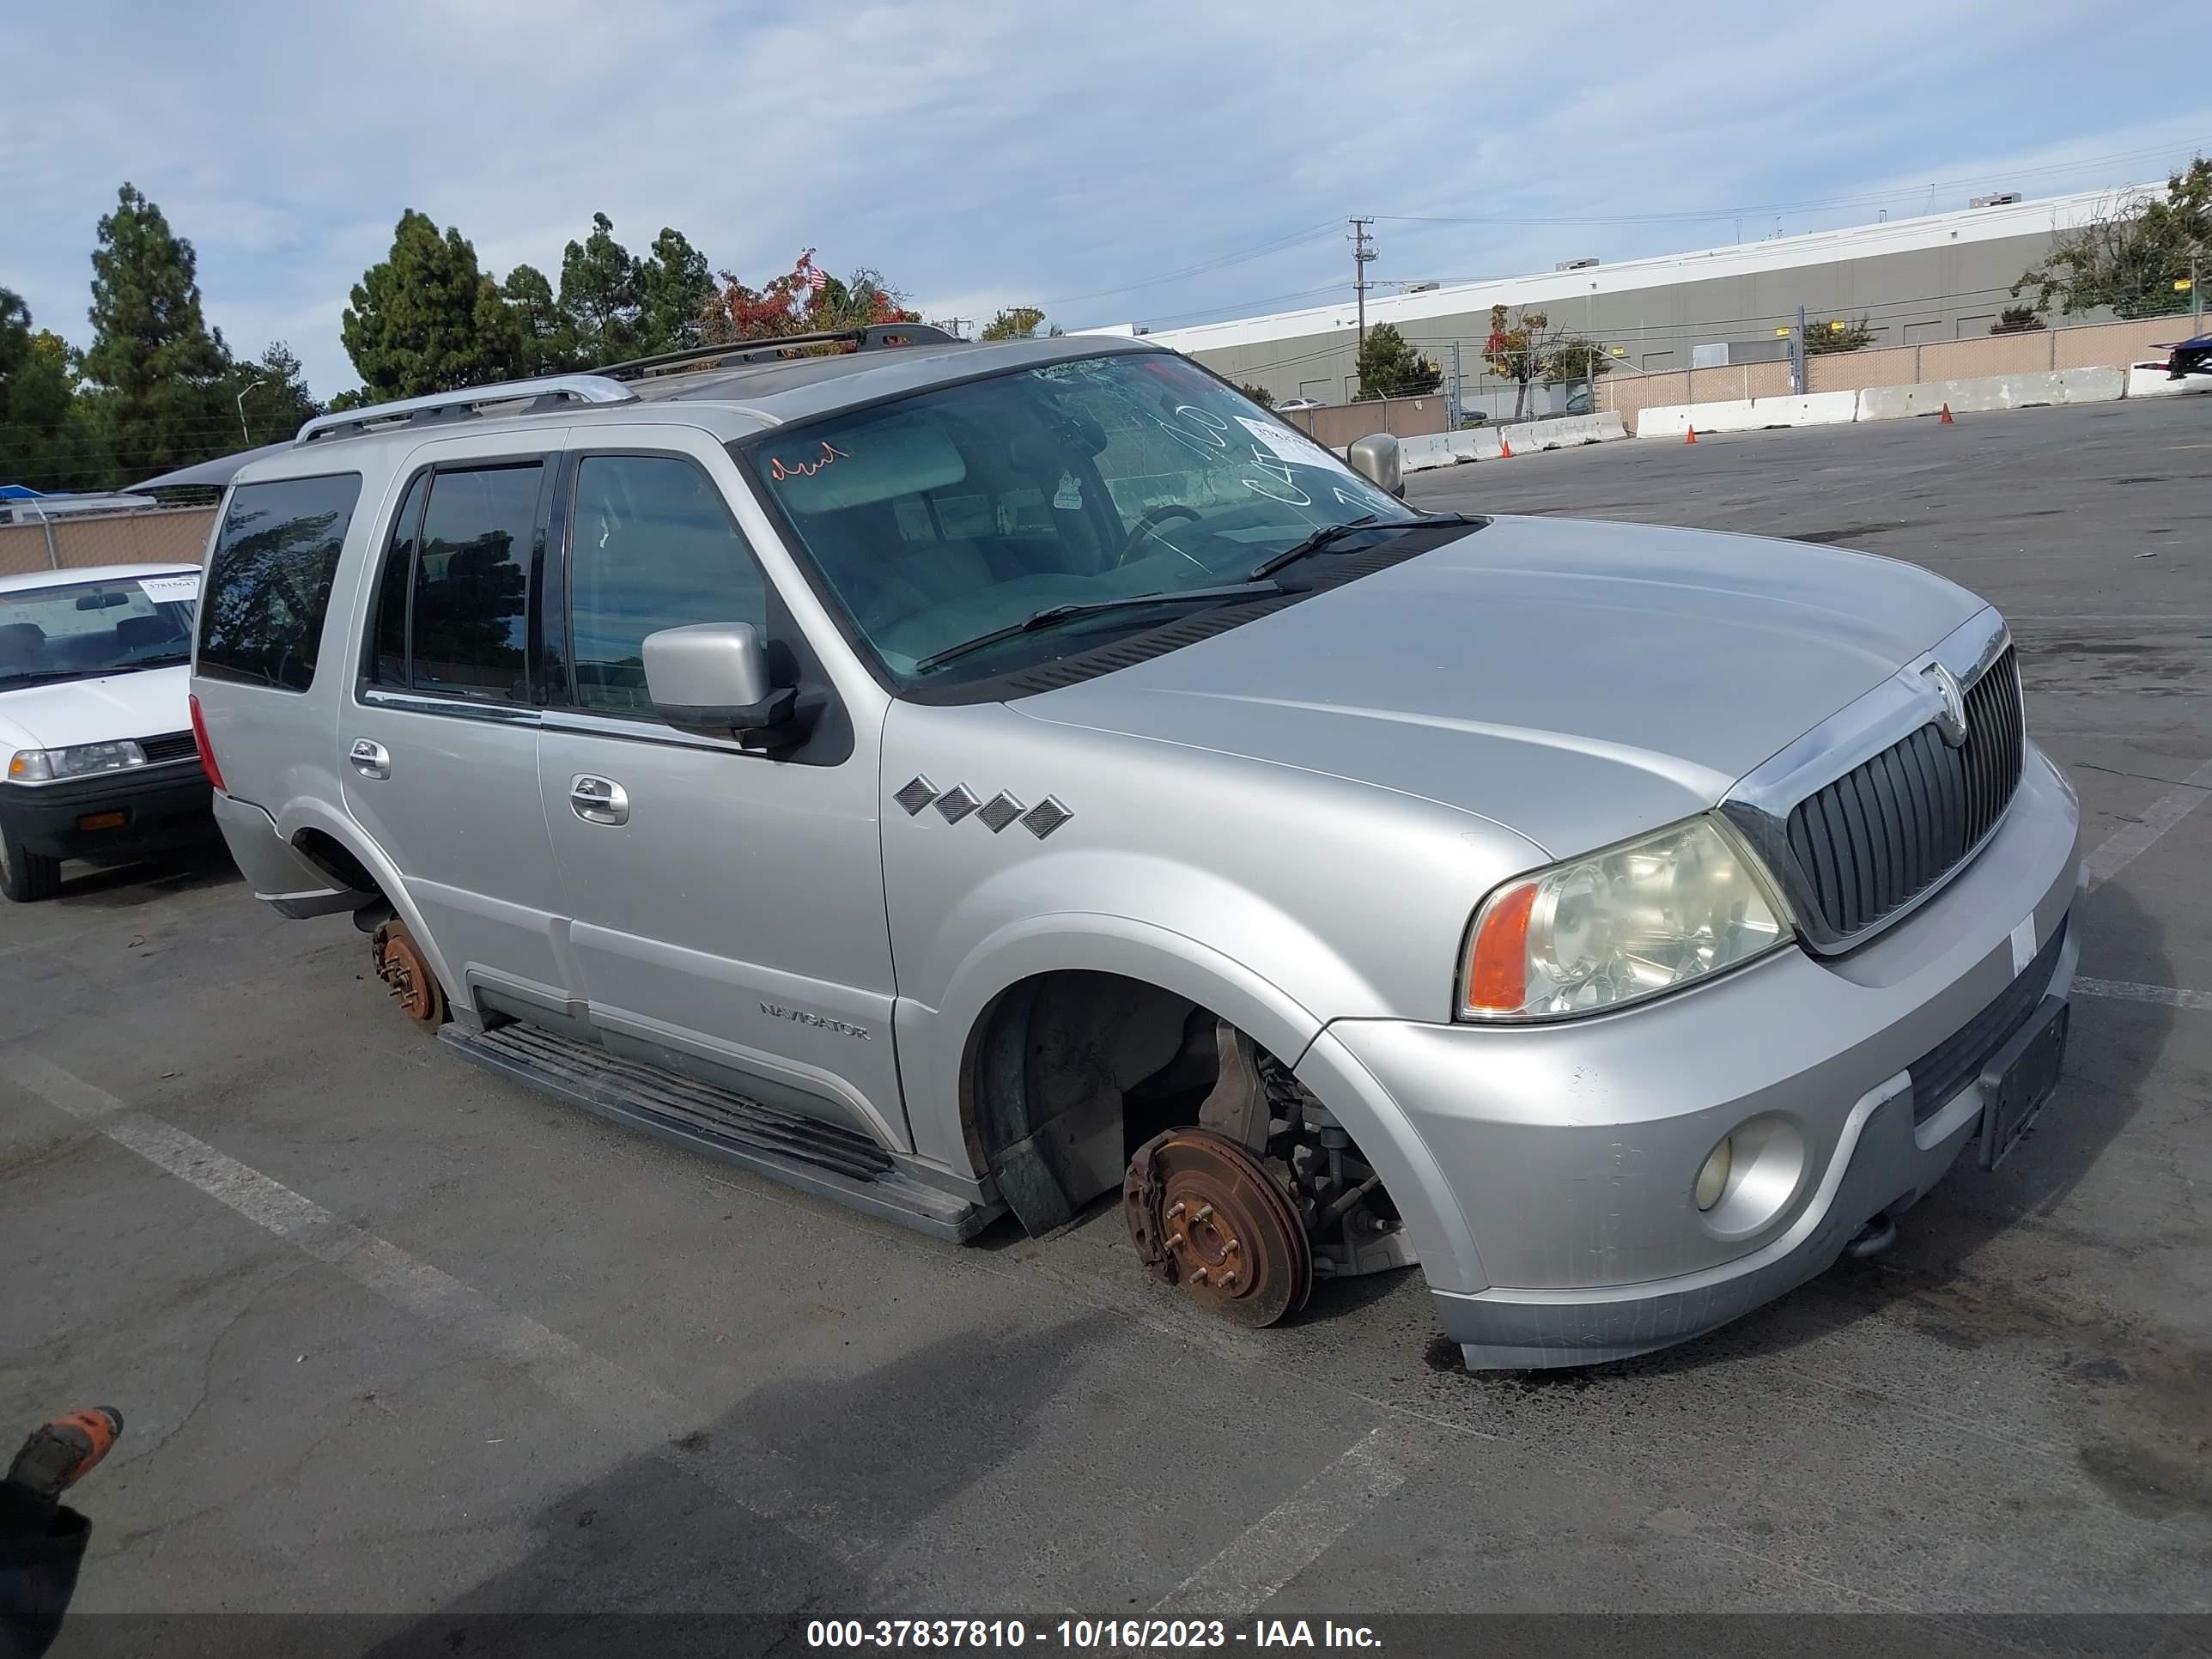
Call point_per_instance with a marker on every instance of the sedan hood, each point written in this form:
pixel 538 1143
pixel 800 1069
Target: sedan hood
pixel 144 704
pixel 1577 682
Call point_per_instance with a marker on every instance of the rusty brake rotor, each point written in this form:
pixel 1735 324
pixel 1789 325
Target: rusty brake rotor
pixel 400 965
pixel 1207 1216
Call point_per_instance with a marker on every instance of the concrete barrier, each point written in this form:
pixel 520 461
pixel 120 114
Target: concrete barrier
pixel 1748 414
pixel 2064 385
pixel 2151 381
pixel 1563 432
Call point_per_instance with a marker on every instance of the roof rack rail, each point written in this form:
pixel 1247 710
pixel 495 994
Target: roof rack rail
pixel 872 337
pixel 543 395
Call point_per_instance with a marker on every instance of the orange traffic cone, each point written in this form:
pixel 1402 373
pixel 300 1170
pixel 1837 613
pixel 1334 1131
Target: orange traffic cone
pixel 1504 448
pixel 1689 434
pixel 1946 420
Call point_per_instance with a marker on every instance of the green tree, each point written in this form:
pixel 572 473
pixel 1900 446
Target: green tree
pixel 1019 322
pixel 157 370
pixel 1572 359
pixel 599 298
pixel 47 439
pixel 548 347
pixel 272 395
pixel 427 318
pixel 1260 395
pixel 1838 334
pixel 2134 259
pixel 674 285
pixel 1389 367
pixel 2016 320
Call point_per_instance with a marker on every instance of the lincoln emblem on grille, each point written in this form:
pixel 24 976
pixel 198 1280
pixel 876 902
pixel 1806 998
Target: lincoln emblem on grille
pixel 1951 717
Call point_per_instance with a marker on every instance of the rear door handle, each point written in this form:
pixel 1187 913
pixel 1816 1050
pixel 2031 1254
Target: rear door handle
pixel 599 800
pixel 371 760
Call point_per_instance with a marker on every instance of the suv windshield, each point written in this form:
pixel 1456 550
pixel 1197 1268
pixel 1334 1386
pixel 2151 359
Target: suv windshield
pixel 81 629
pixel 943 517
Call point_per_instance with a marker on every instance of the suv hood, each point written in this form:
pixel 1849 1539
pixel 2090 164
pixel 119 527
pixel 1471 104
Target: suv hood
pixel 146 702
pixel 1577 682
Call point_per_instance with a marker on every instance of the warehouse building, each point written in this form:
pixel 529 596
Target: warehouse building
pixel 1917 282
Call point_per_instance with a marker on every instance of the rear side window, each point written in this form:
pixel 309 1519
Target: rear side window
pixel 268 586
pixel 452 603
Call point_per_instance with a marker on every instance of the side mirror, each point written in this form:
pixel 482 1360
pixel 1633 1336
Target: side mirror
pixel 1375 458
pixel 713 677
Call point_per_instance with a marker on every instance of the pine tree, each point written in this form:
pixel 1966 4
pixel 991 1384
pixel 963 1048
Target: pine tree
pixel 428 319
pixel 599 299
pixel 157 369
pixel 673 288
pixel 271 395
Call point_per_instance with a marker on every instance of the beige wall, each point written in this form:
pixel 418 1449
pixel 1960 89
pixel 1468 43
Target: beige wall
pixel 170 536
pixel 2097 345
pixel 1344 423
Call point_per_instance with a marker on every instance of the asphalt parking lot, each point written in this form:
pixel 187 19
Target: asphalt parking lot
pixel 412 1340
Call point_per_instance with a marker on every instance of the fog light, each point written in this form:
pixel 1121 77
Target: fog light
pixel 1712 1179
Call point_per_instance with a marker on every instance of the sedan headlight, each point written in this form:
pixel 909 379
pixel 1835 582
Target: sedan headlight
pixel 1617 926
pixel 81 760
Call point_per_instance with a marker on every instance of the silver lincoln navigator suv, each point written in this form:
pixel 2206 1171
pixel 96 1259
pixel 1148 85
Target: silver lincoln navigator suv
pixel 963 779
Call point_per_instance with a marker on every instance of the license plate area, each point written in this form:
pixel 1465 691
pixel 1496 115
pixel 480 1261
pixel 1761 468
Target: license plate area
pixel 2019 1078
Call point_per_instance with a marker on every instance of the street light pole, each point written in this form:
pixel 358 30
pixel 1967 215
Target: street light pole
pixel 248 386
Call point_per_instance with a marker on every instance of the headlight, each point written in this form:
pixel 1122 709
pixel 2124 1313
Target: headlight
pixel 50 765
pixel 1617 926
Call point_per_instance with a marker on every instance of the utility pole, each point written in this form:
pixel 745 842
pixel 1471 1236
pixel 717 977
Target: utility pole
pixel 1363 250
pixel 1798 368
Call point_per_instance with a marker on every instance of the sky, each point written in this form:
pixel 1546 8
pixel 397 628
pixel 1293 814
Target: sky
pixel 1158 162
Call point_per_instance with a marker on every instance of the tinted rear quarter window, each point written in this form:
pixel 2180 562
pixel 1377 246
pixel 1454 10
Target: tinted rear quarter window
pixel 268 587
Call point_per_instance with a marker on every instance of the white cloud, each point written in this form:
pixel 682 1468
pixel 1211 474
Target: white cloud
pixel 991 152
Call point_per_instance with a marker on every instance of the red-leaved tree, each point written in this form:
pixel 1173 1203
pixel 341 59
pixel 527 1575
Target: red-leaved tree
pixel 803 300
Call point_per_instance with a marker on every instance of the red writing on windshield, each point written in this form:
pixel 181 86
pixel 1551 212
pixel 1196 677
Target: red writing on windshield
pixel 779 470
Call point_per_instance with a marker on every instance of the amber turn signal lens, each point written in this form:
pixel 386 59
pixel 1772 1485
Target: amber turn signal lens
pixel 1498 961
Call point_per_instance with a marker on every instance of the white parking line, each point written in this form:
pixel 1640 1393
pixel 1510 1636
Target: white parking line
pixel 617 1397
pixel 2123 847
pixel 1291 1537
pixel 2128 991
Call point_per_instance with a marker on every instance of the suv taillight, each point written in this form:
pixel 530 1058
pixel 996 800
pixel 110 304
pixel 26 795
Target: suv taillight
pixel 207 748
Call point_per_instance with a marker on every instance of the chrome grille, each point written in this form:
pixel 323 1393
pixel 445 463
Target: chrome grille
pixel 1874 839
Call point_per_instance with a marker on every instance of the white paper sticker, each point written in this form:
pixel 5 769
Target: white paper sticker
pixel 170 590
pixel 2023 944
pixel 1287 446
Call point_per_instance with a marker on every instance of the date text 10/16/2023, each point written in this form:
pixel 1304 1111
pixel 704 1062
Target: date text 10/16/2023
pixel 1087 1635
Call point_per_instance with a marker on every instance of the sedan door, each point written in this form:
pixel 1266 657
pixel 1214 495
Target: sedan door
pixel 728 907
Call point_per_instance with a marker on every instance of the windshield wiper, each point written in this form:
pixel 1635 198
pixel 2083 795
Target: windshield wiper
pixel 1312 544
pixel 1331 532
pixel 47 677
pixel 1052 615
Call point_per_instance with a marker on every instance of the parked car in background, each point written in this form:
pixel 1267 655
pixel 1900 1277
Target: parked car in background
pixel 969 778
pixel 97 758
pixel 1300 403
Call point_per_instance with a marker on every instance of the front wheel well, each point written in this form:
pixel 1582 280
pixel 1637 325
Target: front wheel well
pixel 1065 1072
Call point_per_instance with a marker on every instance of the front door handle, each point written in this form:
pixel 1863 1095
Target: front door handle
pixel 599 800
pixel 371 760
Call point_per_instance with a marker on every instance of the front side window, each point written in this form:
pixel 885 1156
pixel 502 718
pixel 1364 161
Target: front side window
pixel 651 546
pixel 269 580
pixel 469 623
pixel 944 517
pixel 81 630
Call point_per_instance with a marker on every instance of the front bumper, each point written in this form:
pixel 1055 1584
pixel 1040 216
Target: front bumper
pixel 1570 1151
pixel 162 806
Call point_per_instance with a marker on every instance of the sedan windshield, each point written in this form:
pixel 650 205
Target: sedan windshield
pixel 942 519
pixel 77 630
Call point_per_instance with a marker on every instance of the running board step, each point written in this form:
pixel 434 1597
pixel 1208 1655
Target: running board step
pixel 823 1158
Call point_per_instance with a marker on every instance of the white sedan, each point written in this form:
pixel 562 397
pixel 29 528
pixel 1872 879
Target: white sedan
pixel 97 756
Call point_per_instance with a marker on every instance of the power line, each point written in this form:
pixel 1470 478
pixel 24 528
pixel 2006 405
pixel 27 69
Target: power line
pixel 1220 262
